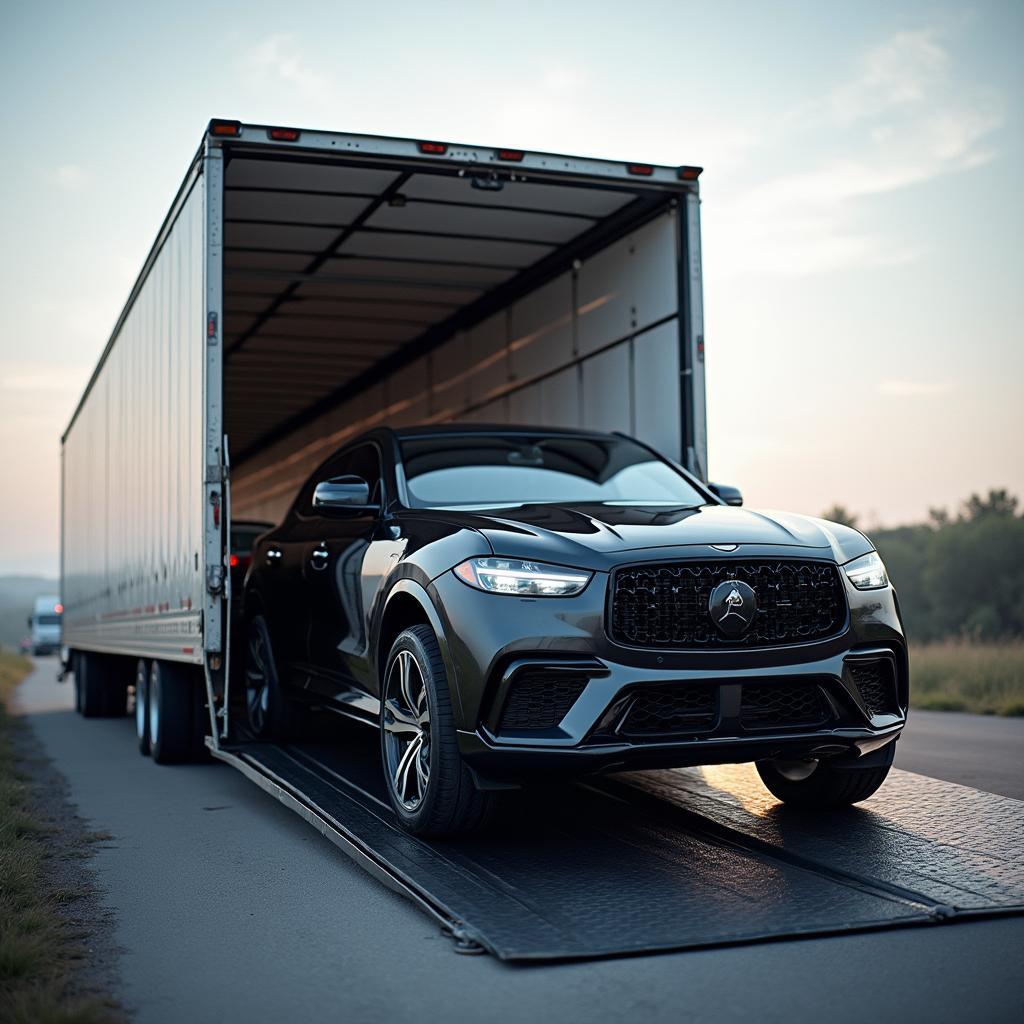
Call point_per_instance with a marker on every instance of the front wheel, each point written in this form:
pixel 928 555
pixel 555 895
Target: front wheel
pixel 431 789
pixel 821 784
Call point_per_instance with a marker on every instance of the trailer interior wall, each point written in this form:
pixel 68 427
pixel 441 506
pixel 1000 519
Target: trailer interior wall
pixel 333 273
pixel 132 464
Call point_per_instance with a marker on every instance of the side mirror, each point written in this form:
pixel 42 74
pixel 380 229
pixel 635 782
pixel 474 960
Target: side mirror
pixel 730 495
pixel 348 493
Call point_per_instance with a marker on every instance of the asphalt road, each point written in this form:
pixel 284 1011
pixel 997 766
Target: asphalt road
pixel 230 908
pixel 980 751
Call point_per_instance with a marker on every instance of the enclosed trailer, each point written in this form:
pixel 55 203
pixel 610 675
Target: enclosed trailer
pixel 306 286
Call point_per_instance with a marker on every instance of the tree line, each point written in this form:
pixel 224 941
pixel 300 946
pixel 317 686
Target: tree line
pixel 957 575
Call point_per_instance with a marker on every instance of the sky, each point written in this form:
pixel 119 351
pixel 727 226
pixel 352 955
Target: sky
pixel 862 208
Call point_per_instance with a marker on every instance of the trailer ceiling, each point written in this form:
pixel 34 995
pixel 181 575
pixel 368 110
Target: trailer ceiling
pixel 338 271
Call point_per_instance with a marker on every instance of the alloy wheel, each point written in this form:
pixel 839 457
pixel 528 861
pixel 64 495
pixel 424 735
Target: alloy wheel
pixel 406 716
pixel 257 681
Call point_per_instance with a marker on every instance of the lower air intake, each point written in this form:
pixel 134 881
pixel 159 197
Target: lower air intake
pixel 679 710
pixel 877 686
pixel 782 706
pixel 539 699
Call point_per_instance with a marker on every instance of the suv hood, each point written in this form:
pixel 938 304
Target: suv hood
pixel 596 536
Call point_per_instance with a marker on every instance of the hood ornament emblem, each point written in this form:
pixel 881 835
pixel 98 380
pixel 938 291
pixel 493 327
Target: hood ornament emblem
pixel 732 606
pixel 725 547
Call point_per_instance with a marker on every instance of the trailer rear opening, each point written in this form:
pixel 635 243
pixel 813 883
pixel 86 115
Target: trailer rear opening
pixel 360 291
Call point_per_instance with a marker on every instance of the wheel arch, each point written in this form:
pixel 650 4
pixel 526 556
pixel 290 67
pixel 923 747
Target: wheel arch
pixel 409 604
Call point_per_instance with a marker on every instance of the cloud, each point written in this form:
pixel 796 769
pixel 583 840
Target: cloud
pixel 276 59
pixel 914 388
pixel 902 119
pixel 70 177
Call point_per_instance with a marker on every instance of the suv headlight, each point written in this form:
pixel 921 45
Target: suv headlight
pixel 527 579
pixel 867 572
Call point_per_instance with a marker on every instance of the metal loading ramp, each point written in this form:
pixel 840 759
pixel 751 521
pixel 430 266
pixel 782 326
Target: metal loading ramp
pixel 666 860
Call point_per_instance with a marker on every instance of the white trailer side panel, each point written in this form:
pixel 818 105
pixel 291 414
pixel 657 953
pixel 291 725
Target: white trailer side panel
pixel 133 467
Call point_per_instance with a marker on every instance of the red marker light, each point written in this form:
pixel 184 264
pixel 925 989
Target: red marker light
pixel 690 173
pixel 233 561
pixel 59 609
pixel 434 148
pixel 515 155
pixel 645 169
pixel 283 134
pixel 218 127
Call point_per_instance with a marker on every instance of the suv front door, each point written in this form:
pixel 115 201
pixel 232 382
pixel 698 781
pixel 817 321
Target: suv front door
pixel 337 543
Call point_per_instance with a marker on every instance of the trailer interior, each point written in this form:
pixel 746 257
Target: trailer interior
pixel 431 286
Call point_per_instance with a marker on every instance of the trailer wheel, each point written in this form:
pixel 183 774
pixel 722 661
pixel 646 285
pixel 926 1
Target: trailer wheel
pixel 171 703
pixel 431 789
pixel 76 673
pixel 91 698
pixel 268 711
pixel 142 706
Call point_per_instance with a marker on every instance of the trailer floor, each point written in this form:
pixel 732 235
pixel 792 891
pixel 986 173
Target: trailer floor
pixel 665 860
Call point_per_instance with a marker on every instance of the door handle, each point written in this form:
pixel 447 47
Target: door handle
pixel 318 559
pixel 274 556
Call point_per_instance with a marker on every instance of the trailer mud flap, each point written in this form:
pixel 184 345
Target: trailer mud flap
pixel 663 860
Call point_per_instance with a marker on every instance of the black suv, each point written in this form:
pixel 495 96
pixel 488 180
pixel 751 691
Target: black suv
pixel 505 604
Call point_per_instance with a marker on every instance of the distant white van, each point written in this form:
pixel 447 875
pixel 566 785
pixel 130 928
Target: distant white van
pixel 45 625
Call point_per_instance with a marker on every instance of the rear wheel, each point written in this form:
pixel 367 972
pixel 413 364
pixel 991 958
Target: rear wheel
pixel 269 712
pixel 171 719
pixel 822 784
pixel 431 789
pixel 142 706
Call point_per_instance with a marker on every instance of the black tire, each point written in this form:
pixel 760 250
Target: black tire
pixel 101 685
pixel 445 800
pixel 268 711
pixel 76 672
pixel 142 706
pixel 172 702
pixel 90 694
pixel 829 784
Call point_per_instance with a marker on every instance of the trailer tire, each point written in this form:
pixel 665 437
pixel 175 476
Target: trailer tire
pixel 171 702
pixel 446 800
pixel 91 698
pixel 142 706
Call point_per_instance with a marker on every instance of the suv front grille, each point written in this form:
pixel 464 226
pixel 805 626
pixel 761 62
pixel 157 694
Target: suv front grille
pixel 781 706
pixel 666 606
pixel 876 685
pixel 539 698
pixel 658 711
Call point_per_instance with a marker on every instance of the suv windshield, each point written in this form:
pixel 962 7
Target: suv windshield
pixel 498 470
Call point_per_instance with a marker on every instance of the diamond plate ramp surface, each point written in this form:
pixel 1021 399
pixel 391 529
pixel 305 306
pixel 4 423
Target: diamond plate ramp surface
pixel 954 848
pixel 579 872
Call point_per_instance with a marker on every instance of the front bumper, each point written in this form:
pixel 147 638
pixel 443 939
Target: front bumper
pixel 493 639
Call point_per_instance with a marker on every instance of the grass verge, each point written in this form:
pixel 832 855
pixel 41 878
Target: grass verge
pixel 38 948
pixel 985 678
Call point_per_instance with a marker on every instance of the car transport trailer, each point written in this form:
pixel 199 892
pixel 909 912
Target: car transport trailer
pixel 306 286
